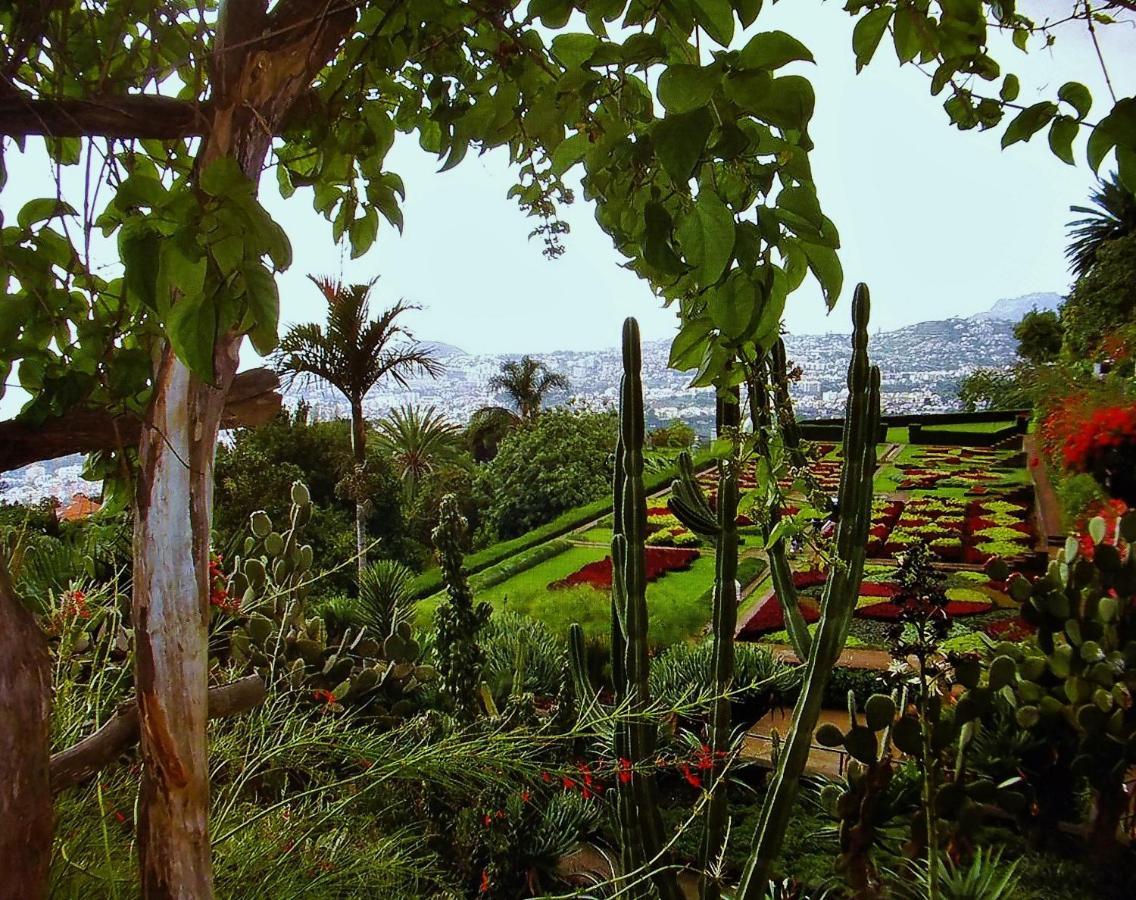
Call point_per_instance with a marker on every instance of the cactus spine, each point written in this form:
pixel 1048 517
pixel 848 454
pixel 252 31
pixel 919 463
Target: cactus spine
pixel 838 600
pixel 640 823
pixel 460 657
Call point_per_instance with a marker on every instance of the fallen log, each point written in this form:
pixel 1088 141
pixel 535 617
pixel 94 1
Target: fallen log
pixel 84 760
pixel 253 399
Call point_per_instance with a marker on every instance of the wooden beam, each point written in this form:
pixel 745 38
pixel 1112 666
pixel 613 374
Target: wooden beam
pixel 253 399
pixel 96 751
pixel 139 116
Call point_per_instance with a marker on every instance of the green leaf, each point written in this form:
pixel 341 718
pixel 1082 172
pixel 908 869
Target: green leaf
pixel 180 275
pixel 139 249
pixel 788 104
pixel 224 178
pixel 552 13
pixel 906 33
pixel 1028 122
pixel 825 266
pixel 747 11
pixel 569 152
pixel 1061 134
pixel 41 210
pixel 772 49
pixel 573 50
pixel 1077 96
pixel 657 251
pixel 683 88
pixel 363 231
pixel 803 201
pixel 643 49
pixel 867 34
pixel 707 238
pixel 679 141
pixel 263 307
pixel 689 344
pixel 1010 88
pixel 717 17
pixel 191 328
pixel 228 253
pixel 734 306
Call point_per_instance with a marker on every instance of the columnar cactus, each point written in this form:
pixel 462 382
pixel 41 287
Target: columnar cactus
pixel 691 508
pixel 460 657
pixel 838 600
pixel 633 745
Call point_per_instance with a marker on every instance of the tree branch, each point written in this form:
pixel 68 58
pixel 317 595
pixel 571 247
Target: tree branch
pixel 82 761
pixel 143 116
pixel 253 399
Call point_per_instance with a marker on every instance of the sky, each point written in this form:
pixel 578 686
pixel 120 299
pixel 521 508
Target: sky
pixel 938 222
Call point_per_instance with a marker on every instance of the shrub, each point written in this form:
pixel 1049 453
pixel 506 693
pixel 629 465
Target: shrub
pixel 682 671
pixel 521 655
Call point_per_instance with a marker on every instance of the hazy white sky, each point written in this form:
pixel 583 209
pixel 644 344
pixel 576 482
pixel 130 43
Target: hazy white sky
pixel 938 222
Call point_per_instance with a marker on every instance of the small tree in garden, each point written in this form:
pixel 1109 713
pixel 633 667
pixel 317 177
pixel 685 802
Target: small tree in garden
pixel 459 620
pixel 353 354
pixel 1039 336
pixel 419 442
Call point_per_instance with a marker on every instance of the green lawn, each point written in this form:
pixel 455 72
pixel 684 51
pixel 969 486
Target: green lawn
pixel 971 427
pixel 674 601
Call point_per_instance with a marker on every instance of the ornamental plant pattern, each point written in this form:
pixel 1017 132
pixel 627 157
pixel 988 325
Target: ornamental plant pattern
pixel 660 560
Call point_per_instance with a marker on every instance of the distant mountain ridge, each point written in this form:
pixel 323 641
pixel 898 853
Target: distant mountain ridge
pixel 1011 309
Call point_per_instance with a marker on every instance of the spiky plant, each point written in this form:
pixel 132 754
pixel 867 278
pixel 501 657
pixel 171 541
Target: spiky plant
pixel 418 441
pixel 1112 215
pixel 352 354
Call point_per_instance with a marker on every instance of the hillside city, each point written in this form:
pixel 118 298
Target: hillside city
pixel 921 367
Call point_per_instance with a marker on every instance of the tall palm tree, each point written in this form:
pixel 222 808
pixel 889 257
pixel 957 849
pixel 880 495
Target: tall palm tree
pixel 418 441
pixel 526 383
pixel 352 355
pixel 1112 216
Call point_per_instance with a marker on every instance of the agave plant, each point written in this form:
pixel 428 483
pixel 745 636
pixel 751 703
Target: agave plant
pixel 985 877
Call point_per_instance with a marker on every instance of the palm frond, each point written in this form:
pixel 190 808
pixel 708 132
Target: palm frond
pixel 1112 215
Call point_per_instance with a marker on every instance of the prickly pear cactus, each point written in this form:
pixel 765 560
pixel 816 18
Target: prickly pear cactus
pixel 275 637
pixel 460 657
pixel 1075 688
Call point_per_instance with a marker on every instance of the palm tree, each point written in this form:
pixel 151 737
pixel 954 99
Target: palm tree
pixel 418 441
pixel 1112 216
pixel 526 383
pixel 352 355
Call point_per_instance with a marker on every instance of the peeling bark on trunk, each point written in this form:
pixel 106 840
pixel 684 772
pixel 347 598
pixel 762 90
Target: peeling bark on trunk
pixel 171 612
pixel 25 726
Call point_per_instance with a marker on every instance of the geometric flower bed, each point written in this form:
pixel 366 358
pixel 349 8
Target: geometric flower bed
pixel 963 531
pixel 659 561
pixel 665 530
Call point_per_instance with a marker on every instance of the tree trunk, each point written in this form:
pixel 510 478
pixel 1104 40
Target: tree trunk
pixel 25 750
pixel 359 452
pixel 171 613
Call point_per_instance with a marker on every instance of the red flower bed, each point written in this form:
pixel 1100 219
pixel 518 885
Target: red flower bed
pixel 1015 629
pixel 811 578
pixel 660 560
pixel 770 618
pixel 891 611
pixel 878 589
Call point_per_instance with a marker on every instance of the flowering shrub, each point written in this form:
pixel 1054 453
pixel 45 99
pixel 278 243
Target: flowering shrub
pixel 219 588
pixel 660 560
pixel 1079 435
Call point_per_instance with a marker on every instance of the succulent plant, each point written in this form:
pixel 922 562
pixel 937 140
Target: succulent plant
pixel 275 637
pixel 1076 688
pixel 460 657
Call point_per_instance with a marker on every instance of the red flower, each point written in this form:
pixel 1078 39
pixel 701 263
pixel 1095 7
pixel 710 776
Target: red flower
pixel 546 777
pixel 485 884
pixel 324 696
pixel 525 796
pixel 692 778
pixel 624 771
pixel 704 759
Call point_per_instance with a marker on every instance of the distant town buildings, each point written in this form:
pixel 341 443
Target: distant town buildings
pixel 921 368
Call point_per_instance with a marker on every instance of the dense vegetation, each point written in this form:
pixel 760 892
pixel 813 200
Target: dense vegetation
pixel 355 750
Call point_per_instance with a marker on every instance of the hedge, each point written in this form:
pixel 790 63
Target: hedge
pixel 430 581
pixel 516 564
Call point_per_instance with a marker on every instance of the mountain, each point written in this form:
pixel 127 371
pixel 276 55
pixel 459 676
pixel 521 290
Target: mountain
pixel 1011 309
pixel 442 351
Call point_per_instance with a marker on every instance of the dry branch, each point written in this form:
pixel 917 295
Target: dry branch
pixel 253 399
pixel 82 761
